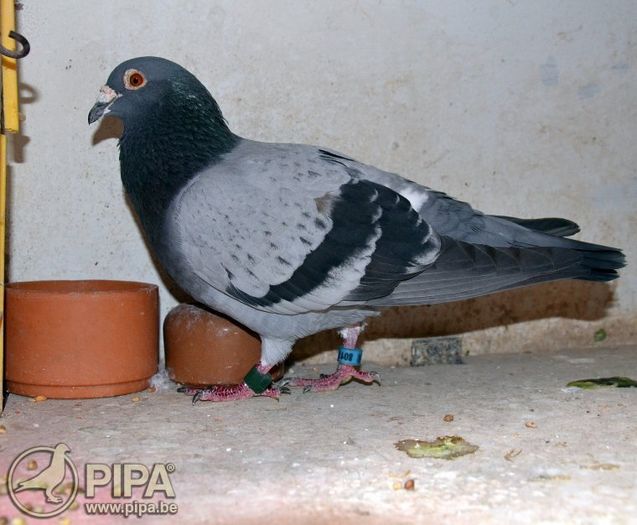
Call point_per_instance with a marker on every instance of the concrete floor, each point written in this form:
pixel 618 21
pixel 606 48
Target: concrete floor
pixel 330 458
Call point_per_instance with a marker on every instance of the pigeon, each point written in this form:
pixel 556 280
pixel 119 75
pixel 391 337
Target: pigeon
pixel 293 239
pixel 50 477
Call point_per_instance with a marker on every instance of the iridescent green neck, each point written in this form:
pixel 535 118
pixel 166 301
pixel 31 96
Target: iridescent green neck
pixel 174 141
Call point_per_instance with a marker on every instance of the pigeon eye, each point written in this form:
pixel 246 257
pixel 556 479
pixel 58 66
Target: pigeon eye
pixel 134 79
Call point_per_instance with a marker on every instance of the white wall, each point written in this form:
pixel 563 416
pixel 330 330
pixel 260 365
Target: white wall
pixel 525 108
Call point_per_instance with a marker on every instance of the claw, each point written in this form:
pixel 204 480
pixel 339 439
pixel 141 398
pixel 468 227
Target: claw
pixel 196 397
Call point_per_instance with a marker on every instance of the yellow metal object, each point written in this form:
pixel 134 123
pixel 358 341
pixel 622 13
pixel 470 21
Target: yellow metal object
pixel 10 123
pixel 3 214
pixel 11 118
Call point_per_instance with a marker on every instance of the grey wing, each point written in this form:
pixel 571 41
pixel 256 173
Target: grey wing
pixel 299 245
pixel 483 253
pixel 457 219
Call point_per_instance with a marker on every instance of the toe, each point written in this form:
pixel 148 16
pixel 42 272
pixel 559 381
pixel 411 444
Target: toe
pixel 197 397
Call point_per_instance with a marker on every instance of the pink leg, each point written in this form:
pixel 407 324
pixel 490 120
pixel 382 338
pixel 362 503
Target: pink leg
pixel 343 374
pixel 232 392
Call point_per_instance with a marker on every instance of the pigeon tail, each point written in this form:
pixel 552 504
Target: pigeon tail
pixel 551 225
pixel 465 270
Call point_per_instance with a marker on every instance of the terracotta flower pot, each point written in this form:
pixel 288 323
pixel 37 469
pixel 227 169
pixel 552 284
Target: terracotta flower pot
pixel 206 349
pixel 80 339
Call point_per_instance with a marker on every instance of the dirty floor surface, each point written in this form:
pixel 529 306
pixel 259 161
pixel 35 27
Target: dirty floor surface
pixel 546 453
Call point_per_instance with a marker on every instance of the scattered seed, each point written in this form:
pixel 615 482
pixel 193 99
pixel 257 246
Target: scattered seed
pixel 400 476
pixel 552 477
pixel 410 484
pixel 513 453
pixel 67 488
pixel 64 520
pixel 601 466
pixel 74 506
pixel 136 399
pixel 3 489
pixel 32 464
pixel 3 429
pixel 4 520
pixel 397 485
pixel 530 424
pixel 448 418
pixel 39 399
pixel 19 520
pixel 151 389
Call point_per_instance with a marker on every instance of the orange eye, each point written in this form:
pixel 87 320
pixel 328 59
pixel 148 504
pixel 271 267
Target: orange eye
pixel 134 79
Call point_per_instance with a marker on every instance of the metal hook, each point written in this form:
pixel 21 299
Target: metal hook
pixel 18 53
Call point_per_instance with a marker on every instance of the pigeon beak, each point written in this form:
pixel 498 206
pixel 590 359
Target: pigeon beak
pixel 104 100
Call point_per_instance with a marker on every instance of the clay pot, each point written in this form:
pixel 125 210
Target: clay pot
pixel 81 339
pixel 206 349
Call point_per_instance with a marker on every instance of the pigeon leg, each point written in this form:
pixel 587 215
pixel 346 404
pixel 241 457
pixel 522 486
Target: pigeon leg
pixel 344 372
pixel 234 392
pixel 50 497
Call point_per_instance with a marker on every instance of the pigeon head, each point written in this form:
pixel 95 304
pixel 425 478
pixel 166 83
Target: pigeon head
pixel 139 89
pixel 149 94
pixel 173 128
pixel 62 448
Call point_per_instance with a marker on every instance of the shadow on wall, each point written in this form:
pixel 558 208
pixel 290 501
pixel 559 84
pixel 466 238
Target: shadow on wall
pixel 17 148
pixel 19 141
pixel 581 300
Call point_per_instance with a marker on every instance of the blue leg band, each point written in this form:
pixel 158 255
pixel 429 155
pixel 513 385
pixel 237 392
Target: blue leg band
pixel 350 356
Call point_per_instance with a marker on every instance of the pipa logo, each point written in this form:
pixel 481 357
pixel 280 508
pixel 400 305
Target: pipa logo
pixel 43 482
pixel 53 474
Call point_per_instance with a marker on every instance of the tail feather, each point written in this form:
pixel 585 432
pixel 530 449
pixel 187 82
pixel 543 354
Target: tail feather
pixel 550 225
pixel 465 270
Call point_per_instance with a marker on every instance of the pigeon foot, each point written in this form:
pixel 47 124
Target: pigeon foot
pixel 229 393
pixel 329 382
pixel 52 498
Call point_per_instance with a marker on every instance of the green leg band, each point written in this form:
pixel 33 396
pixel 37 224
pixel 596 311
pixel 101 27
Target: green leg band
pixel 256 381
